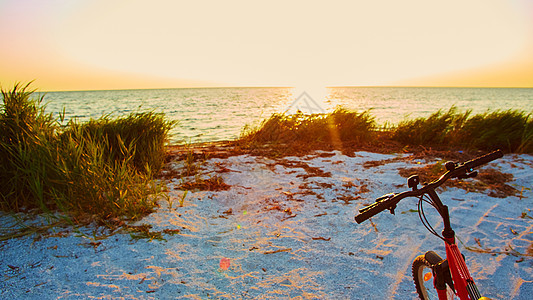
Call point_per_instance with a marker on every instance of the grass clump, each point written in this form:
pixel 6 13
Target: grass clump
pixel 509 130
pixel 138 138
pixel 433 130
pixel 26 154
pixel 301 131
pixel 101 169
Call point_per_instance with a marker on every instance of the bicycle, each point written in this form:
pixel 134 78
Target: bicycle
pixel 450 276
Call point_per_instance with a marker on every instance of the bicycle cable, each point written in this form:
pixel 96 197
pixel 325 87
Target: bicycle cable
pixel 422 215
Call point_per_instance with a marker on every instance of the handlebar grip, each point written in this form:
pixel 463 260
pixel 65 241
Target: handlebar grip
pixel 483 159
pixel 369 211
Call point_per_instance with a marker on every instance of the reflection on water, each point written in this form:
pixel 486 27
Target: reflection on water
pixel 214 114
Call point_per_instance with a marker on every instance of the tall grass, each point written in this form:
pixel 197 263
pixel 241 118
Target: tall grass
pixel 140 137
pixel 433 130
pixel 26 134
pixel 300 130
pixel 102 168
pixel 526 145
pixel 510 130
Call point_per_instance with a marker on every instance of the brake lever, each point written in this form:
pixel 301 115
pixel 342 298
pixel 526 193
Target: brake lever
pixel 467 174
pixel 472 174
pixel 387 197
pixel 392 209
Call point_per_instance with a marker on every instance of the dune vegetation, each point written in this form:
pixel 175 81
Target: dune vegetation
pixel 300 132
pixel 510 130
pixel 99 170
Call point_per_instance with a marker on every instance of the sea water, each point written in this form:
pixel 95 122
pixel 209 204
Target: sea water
pixel 214 114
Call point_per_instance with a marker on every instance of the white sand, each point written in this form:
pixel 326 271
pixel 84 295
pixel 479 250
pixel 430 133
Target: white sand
pixel 285 235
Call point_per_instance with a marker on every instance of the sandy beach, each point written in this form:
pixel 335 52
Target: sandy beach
pixel 280 229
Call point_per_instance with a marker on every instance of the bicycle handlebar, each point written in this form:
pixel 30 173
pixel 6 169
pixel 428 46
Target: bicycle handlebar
pixel 389 201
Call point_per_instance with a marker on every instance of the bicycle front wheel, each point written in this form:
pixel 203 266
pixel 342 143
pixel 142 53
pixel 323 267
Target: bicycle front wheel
pixel 423 278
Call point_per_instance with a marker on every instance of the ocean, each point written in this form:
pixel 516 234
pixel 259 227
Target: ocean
pixel 215 114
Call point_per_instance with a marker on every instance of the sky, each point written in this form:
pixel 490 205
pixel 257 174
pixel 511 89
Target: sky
pixel 113 44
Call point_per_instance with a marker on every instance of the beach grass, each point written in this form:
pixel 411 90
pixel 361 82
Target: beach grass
pixel 99 170
pixel 510 130
pixel 302 131
pixel 138 138
pixel 430 131
pixel 26 136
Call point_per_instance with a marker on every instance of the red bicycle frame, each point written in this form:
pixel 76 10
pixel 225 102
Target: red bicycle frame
pixel 464 285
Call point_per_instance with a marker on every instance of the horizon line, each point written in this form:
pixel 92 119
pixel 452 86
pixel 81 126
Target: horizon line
pixel 287 87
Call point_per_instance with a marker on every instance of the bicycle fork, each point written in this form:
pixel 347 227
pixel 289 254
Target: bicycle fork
pixel 441 274
pixel 452 267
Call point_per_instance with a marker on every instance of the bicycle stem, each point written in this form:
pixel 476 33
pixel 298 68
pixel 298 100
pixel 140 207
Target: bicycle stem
pixel 442 209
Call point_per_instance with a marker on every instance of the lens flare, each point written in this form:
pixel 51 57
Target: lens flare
pixel 224 263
